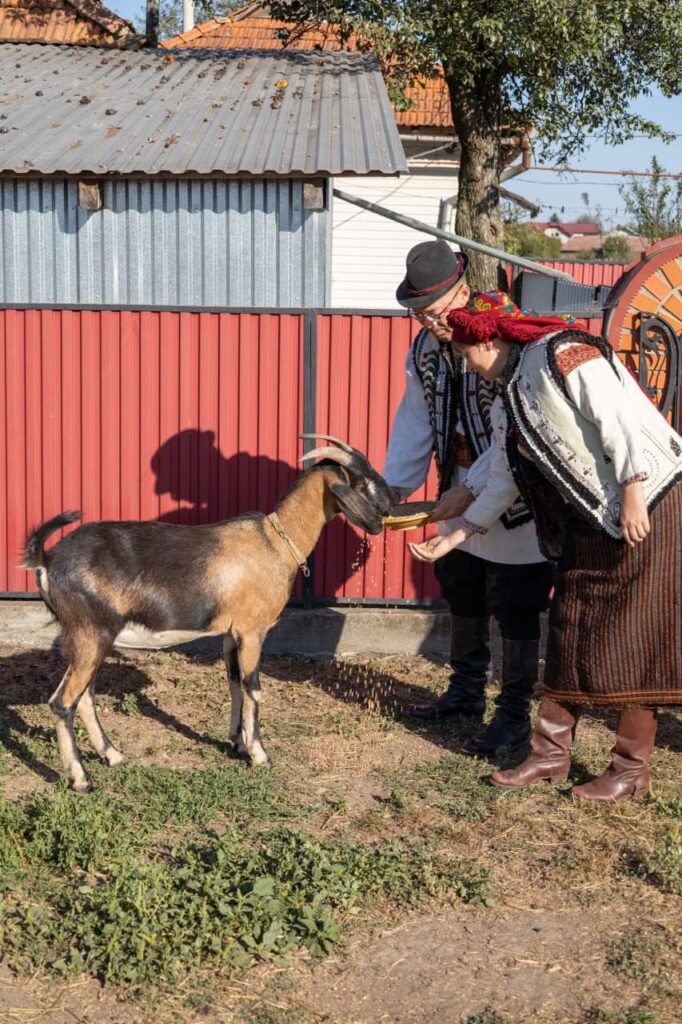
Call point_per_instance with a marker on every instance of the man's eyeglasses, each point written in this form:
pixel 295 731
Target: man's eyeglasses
pixel 435 319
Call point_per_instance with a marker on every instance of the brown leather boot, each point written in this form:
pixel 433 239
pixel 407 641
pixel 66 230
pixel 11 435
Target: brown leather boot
pixel 628 773
pixel 551 742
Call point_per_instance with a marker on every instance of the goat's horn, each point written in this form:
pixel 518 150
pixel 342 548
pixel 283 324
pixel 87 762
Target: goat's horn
pixel 327 437
pixel 344 458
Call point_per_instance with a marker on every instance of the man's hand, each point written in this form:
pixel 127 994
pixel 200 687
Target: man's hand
pixel 634 517
pixel 452 503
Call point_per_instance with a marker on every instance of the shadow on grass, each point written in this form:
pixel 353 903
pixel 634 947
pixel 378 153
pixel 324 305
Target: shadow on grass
pixel 29 678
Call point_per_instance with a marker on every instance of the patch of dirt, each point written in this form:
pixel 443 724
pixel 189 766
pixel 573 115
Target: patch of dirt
pixel 539 964
pixel 340 745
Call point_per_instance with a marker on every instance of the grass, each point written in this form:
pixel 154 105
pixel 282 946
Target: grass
pixel 165 872
pixel 185 871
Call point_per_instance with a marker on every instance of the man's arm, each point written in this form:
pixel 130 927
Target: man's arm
pixel 410 445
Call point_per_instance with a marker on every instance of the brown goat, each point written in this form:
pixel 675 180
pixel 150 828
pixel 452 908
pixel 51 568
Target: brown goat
pixel 106 581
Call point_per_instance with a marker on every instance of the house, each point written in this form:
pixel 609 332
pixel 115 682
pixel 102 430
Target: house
pixel 180 178
pixel 585 236
pixel 64 21
pixel 566 231
pixel 368 251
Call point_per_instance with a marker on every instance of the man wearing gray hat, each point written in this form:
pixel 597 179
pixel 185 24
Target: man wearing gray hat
pixel 445 413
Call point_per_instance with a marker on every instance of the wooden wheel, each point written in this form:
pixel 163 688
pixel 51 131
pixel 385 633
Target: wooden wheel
pixel 643 322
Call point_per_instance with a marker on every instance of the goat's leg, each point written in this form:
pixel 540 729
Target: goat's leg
pixel 87 710
pixel 249 651
pixel 236 736
pixel 88 653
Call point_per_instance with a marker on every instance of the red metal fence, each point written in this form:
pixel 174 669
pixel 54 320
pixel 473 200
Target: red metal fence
pixel 193 417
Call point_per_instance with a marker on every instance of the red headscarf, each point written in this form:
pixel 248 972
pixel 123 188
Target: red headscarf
pixel 477 328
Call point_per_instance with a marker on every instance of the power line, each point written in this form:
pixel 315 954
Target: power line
pixel 594 170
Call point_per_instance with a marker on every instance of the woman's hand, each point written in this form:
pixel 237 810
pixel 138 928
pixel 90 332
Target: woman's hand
pixel 434 548
pixel 452 503
pixel 634 517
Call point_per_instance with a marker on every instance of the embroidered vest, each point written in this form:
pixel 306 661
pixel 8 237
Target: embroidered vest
pixel 454 393
pixel 567 447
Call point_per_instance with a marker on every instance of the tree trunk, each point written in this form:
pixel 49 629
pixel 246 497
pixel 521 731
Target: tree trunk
pixel 475 104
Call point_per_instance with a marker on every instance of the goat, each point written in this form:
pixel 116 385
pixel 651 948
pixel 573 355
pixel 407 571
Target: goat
pixel 105 581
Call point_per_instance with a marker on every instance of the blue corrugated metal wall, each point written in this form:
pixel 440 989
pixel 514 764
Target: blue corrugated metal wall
pixel 163 243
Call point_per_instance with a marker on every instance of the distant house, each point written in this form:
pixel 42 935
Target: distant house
pixel 368 251
pixel 64 21
pixel 580 237
pixel 567 231
pixel 180 178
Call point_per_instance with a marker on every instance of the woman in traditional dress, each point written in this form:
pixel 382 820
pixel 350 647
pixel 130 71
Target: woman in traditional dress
pixel 601 470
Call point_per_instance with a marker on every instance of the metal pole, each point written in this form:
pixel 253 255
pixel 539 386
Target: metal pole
pixel 187 15
pixel 466 243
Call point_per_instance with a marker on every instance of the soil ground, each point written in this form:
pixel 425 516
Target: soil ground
pixel 577 934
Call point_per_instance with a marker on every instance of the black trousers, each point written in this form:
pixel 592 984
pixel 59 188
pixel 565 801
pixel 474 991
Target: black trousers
pixel 514 594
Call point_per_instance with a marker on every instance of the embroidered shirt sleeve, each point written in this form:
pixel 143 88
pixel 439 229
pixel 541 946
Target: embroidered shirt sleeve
pixel 598 393
pixel 478 473
pixel 410 445
pixel 572 356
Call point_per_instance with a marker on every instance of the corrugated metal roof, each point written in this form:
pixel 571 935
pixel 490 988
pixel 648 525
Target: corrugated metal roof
pixel 429 96
pixel 84 110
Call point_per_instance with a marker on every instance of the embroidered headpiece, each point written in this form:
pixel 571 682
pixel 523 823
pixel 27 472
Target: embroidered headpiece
pixel 477 328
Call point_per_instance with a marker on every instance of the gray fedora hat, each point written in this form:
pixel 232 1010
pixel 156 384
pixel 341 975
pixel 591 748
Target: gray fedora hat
pixel 432 269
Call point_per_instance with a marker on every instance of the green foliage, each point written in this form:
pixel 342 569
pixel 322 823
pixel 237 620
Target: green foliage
pixel 662 867
pixel 568 69
pixel 487 1016
pixel 654 204
pixel 633 956
pixel 168 872
pixel 637 1015
pixel 527 240
pixel 616 248
pixel 670 808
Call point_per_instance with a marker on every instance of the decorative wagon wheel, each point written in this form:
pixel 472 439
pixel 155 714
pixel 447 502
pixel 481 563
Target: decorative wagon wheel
pixel 643 322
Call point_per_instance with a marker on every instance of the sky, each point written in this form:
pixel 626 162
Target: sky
pixel 561 193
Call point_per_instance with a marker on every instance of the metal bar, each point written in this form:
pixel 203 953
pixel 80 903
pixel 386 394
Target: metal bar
pixel 309 423
pixel 449 236
pixel 103 307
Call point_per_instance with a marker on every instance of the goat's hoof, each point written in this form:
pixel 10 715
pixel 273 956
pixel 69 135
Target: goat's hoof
pixel 113 757
pixel 82 786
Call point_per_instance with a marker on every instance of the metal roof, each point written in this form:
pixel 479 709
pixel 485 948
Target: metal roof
pixel 85 110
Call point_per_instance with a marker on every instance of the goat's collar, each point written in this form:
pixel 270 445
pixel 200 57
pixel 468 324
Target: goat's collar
pixel 298 557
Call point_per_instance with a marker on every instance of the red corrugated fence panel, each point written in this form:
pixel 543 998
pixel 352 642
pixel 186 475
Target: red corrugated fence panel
pixel 185 417
pixel 360 382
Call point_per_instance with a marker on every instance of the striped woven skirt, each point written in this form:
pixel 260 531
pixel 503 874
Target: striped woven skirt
pixel 615 625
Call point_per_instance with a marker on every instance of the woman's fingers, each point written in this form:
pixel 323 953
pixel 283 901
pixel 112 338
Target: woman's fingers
pixel 422 552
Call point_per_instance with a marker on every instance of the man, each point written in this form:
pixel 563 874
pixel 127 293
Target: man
pixel 445 412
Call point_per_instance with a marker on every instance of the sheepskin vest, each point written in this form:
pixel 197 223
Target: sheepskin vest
pixel 567 448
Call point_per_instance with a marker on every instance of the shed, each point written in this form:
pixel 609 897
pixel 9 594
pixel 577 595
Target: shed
pixel 365 275
pixel 180 177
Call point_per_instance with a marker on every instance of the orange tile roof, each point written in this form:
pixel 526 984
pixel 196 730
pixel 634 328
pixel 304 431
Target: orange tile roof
pixel 62 21
pixel 431 103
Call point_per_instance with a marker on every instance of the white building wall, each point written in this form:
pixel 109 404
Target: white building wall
pixel 368 251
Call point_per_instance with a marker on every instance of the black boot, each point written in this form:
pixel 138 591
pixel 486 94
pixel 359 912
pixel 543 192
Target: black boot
pixel 510 726
pixel 470 659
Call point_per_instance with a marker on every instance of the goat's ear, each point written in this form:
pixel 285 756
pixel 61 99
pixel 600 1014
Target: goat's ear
pixel 356 508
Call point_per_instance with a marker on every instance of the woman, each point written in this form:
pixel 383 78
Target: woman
pixel 602 472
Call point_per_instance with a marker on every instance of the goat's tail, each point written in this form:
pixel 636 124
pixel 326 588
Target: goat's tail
pixel 34 551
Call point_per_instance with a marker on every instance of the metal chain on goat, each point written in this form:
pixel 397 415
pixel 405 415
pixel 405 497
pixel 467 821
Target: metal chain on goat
pixel 298 557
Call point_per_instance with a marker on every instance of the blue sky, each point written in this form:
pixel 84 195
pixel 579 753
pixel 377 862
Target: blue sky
pixel 554 191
